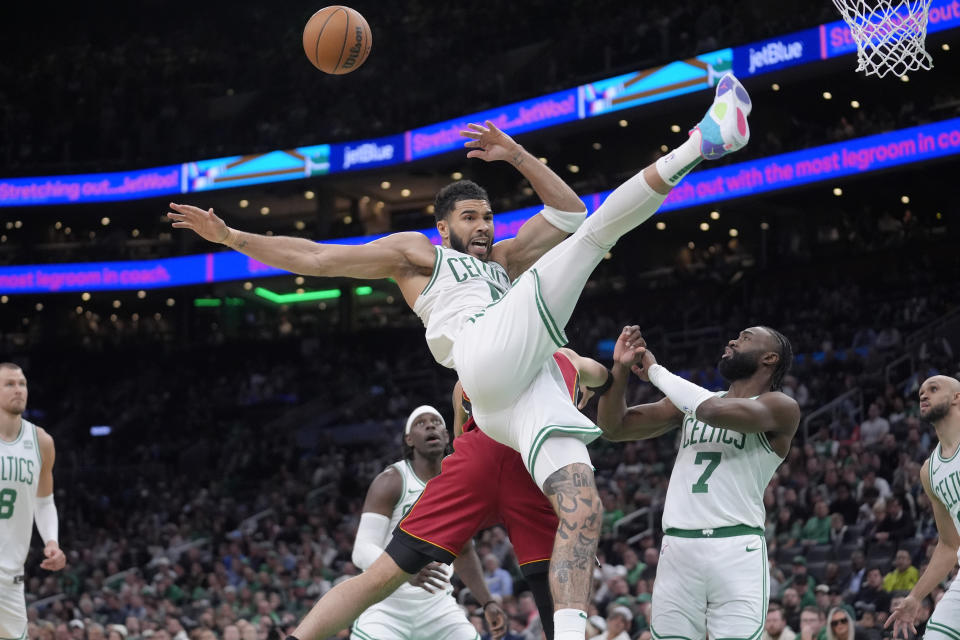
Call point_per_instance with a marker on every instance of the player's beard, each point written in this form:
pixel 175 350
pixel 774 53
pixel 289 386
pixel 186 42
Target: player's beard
pixel 739 365
pixel 936 412
pixel 457 244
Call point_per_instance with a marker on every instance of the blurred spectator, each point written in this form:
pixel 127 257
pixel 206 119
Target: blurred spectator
pixel 811 623
pixel 874 427
pixel 897 526
pixel 619 621
pixel 873 593
pixel 904 575
pixel 776 627
pixel 498 580
pixel 817 529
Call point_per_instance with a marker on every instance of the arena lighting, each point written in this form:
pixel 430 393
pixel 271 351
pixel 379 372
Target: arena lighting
pixel 100 430
pixel 307 296
pixel 244 204
pixel 661 225
pixel 309 195
pixel 385 184
pixel 855 104
pixel 456 175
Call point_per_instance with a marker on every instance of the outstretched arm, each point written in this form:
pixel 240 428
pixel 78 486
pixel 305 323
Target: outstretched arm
pixel 399 255
pixel 563 210
pixel 641 421
pixel 942 562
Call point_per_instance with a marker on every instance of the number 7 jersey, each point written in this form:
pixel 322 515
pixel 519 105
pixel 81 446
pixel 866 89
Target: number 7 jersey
pixel 719 478
pixel 461 287
pixel 19 476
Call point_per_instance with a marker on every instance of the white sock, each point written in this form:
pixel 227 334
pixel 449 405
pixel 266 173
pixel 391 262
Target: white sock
pixel 569 624
pixel 679 162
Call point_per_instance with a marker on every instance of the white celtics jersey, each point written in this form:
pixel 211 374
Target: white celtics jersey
pixel 945 482
pixel 412 488
pixel 719 478
pixel 461 287
pixel 19 476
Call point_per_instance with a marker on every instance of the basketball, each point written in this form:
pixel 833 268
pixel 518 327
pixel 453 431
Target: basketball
pixel 337 40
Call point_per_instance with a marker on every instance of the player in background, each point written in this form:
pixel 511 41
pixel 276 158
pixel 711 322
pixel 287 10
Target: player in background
pixel 712 576
pixel 26 496
pixel 940 475
pixel 499 330
pixel 485 483
pixel 424 608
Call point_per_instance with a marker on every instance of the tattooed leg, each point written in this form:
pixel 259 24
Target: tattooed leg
pixel 573 494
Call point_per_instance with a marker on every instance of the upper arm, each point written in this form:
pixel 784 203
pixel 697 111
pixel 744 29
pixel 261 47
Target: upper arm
pixel 644 421
pixel 395 256
pixel 459 415
pixel 948 533
pixel 384 493
pixel 772 412
pixel 47 454
pixel 535 237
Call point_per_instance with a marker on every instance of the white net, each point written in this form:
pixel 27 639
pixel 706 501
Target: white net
pixel 890 34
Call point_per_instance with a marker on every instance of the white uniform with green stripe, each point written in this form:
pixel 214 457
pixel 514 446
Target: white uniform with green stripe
pixel 944 624
pixel 19 475
pixel 461 288
pixel 411 612
pixel 500 337
pixel 713 572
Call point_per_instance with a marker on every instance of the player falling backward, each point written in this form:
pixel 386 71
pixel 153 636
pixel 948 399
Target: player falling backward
pixel 26 496
pixel 496 313
pixel 424 608
pixel 940 475
pixel 712 576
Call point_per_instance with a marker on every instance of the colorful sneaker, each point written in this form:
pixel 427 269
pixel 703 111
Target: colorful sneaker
pixel 724 129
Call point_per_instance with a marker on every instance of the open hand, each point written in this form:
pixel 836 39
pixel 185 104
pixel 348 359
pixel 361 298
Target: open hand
pixel 903 617
pixel 490 144
pixel 432 578
pixel 205 224
pixel 626 351
pixel 53 557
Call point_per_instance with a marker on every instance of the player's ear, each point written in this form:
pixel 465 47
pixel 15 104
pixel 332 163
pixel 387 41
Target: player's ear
pixel 444 228
pixel 770 358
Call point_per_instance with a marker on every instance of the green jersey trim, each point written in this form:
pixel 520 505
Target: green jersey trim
pixel 556 334
pixel 718 532
pixel 436 269
pixel 653 632
pixel 950 632
pixel 550 430
pixel 36 443
pixel 13 442
pixel 940 455
pixel 415 476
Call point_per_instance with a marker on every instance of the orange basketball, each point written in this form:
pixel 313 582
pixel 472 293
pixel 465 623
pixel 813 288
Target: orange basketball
pixel 337 40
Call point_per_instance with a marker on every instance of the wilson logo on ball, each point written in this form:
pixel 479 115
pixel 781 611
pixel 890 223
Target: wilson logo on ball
pixel 355 49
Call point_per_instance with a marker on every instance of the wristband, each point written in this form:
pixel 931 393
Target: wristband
pixel 603 388
pixel 563 220
pixel 684 394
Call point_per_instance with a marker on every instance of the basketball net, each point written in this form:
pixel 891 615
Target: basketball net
pixel 890 34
